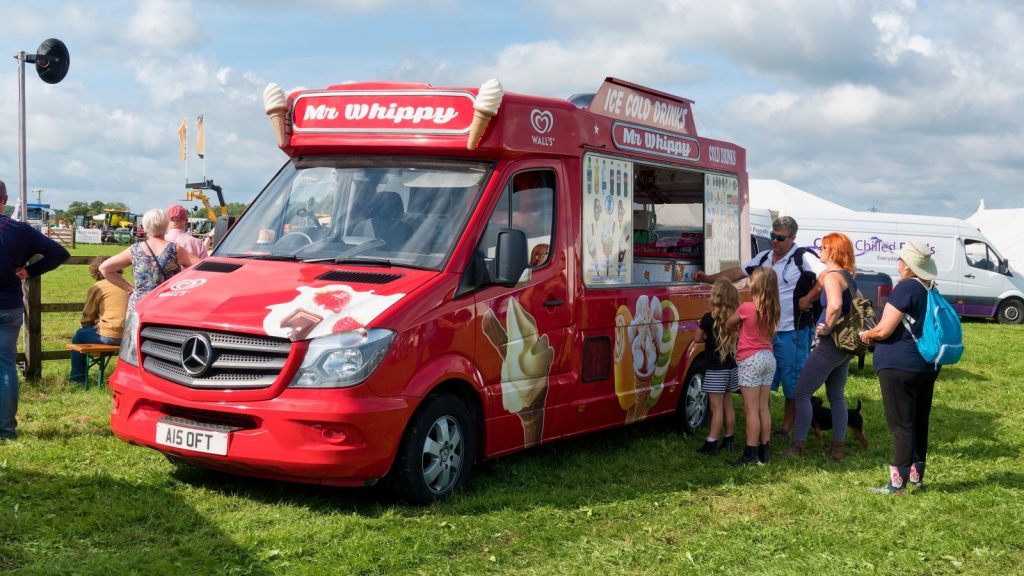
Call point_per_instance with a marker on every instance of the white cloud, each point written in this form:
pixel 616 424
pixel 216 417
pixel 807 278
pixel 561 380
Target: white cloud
pixel 163 25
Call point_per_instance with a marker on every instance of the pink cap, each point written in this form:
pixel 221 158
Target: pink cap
pixel 177 212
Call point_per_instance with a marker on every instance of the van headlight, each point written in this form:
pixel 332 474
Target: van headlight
pixel 129 342
pixel 344 359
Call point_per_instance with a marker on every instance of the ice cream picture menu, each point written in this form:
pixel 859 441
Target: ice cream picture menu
pixel 721 222
pixel 607 220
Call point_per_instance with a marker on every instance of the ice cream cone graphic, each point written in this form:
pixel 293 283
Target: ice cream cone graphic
pixel 276 107
pixel 526 363
pixel 625 381
pixel 532 418
pixel 642 334
pixel 485 107
pixel 670 323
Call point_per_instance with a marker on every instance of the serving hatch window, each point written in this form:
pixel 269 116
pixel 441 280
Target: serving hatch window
pixel 652 224
pixel 399 211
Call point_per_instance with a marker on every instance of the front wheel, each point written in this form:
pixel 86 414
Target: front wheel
pixel 437 452
pixel 1010 312
pixel 693 404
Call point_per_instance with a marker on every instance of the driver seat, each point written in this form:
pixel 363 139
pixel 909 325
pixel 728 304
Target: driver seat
pixel 385 220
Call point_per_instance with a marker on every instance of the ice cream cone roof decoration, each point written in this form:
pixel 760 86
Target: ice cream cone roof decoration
pixel 485 107
pixel 276 107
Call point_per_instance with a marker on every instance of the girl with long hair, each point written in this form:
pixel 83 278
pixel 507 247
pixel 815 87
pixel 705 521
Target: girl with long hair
pixel 757 321
pixel 827 364
pixel 721 377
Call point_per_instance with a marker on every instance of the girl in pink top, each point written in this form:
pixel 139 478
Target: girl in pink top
pixel 757 321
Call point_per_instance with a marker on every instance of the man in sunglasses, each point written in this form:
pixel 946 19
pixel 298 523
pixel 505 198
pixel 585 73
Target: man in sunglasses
pixel 797 270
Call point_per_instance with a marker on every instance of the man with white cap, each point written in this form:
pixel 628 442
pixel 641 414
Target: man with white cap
pixel 907 380
pixel 177 232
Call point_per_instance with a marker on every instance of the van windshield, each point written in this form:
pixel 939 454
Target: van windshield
pixel 393 211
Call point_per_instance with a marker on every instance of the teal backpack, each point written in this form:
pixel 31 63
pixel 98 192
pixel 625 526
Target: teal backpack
pixel 941 340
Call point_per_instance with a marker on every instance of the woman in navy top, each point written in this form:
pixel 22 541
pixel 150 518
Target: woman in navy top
pixel 906 378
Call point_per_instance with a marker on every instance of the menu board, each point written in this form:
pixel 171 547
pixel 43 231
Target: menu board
pixel 607 221
pixel 721 222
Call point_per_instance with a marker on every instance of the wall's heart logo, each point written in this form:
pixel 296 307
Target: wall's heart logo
pixel 182 285
pixel 542 121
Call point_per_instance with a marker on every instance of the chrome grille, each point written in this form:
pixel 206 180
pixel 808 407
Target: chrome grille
pixel 240 361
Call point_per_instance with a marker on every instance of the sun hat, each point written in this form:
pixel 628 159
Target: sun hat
pixel 919 259
pixel 177 212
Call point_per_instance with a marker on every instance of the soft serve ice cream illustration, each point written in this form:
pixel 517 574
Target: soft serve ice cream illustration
pixel 643 350
pixel 526 363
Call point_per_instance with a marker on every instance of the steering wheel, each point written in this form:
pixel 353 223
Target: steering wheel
pixel 302 235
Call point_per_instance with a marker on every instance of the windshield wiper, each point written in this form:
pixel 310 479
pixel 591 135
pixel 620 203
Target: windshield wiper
pixel 279 257
pixel 347 260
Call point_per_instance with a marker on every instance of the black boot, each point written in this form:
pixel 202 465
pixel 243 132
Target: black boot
pixel 749 457
pixel 763 453
pixel 710 447
pixel 728 442
pixel 917 476
pixel 897 485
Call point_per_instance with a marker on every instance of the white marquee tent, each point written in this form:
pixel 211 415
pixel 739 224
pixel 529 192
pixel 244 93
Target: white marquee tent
pixel 786 200
pixel 1003 228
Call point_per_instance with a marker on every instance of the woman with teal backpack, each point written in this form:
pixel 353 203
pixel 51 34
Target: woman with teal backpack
pixel 907 380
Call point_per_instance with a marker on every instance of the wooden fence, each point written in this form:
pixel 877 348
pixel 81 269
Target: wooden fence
pixel 34 355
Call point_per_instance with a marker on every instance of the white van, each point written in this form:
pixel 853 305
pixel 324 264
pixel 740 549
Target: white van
pixel 873 284
pixel 972 275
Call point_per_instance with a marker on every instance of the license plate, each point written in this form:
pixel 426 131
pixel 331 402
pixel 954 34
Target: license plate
pixel 194 439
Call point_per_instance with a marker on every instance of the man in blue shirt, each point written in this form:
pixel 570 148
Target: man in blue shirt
pixel 19 242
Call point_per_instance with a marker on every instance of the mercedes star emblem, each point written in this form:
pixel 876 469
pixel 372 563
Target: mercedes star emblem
pixel 196 355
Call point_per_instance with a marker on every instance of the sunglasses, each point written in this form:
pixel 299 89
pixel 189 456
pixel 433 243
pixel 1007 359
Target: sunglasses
pixel 778 237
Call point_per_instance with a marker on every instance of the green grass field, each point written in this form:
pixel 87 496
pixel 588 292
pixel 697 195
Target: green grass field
pixel 638 500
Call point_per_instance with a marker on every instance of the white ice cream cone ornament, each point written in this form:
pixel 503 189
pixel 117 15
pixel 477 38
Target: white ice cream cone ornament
pixel 485 107
pixel 276 107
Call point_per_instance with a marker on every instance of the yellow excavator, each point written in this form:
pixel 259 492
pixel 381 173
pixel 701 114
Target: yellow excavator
pixel 194 191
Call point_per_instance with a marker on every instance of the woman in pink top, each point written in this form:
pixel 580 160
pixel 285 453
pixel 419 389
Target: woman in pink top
pixel 757 321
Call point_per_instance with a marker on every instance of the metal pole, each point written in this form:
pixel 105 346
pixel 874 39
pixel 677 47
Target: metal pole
pixel 23 205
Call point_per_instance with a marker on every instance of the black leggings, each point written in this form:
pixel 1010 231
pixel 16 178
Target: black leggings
pixel 907 397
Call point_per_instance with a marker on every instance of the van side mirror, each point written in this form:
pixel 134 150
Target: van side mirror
pixel 221 227
pixel 511 258
pixel 1004 266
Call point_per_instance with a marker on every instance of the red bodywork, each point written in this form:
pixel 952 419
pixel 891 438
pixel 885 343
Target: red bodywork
pixel 349 436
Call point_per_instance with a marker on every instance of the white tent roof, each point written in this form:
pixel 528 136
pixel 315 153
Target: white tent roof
pixel 786 200
pixel 1003 228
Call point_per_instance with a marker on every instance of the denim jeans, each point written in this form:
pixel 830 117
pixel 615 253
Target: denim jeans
pixel 791 349
pixel 10 326
pixel 79 365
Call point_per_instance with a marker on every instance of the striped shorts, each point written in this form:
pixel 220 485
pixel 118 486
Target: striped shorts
pixel 757 370
pixel 721 381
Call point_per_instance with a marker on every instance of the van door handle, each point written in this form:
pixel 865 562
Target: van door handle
pixel 552 302
pixel 968 275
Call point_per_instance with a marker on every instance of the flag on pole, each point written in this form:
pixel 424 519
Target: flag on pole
pixel 201 138
pixel 181 137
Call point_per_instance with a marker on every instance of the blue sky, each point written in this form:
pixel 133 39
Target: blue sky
pixel 897 105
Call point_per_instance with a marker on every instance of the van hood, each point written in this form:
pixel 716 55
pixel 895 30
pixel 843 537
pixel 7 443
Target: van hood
pixel 284 299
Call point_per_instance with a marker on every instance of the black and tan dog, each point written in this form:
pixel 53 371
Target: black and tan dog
pixel 821 419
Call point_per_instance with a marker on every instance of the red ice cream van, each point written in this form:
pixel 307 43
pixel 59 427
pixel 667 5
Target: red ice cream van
pixel 439 276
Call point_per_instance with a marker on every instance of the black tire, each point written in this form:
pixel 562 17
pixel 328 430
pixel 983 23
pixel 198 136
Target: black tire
pixel 437 452
pixel 692 412
pixel 1010 312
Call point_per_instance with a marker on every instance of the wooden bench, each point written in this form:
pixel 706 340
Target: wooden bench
pixel 96 355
